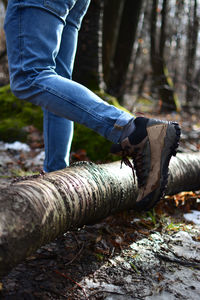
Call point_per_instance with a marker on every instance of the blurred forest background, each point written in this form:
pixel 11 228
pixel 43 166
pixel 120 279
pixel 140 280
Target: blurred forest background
pixel 137 50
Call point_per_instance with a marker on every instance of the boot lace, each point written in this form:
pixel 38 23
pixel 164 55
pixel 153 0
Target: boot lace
pixel 136 165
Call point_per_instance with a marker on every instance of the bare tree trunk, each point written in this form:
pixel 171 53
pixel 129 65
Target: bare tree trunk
pixel 116 84
pixel 197 87
pixel 134 68
pixel 111 21
pixel 179 9
pixel 88 68
pixel 3 54
pixel 35 211
pixel 5 3
pixel 162 80
pixel 193 25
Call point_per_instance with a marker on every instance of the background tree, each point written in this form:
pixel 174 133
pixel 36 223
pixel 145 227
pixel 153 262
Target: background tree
pixel 192 36
pixel 116 83
pixel 5 3
pixel 177 33
pixel 88 63
pixel 135 68
pixel 3 52
pixel 162 82
pixel 112 14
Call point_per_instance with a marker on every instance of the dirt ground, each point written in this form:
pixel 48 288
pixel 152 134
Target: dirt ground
pixel 155 255
pixel 111 261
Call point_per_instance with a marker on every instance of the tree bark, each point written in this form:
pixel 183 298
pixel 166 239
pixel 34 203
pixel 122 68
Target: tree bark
pixel 88 68
pixel 35 211
pixel 192 43
pixel 3 54
pixel 116 84
pixel 178 24
pixel 5 3
pixel 162 81
pixel 113 10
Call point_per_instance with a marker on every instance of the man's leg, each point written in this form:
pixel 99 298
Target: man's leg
pixel 58 131
pixel 58 134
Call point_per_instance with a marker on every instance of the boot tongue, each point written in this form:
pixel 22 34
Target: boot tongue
pixel 140 131
pixel 116 148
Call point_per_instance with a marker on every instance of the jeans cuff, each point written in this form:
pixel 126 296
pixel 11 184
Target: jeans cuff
pixel 119 126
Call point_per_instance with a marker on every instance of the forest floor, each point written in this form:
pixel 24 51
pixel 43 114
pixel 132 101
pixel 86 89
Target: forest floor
pixel 155 255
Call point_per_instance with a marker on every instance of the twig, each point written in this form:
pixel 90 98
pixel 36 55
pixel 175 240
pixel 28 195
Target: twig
pixel 104 291
pixel 75 237
pixel 67 277
pixel 179 261
pixel 75 257
pixel 117 293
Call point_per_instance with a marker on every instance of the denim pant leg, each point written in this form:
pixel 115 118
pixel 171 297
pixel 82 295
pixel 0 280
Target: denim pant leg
pixel 58 131
pixel 58 135
pixel 33 42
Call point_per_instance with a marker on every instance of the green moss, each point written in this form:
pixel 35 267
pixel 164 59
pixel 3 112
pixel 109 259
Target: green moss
pixel 11 129
pixel 15 114
pixel 96 146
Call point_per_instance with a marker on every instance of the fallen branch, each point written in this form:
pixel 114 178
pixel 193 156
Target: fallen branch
pixel 34 212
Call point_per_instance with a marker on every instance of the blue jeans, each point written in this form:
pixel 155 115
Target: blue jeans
pixel 41 38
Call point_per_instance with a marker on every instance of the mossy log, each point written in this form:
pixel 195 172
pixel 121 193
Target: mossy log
pixel 35 211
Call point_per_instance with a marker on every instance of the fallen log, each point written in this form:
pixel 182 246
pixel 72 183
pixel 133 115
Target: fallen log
pixel 35 211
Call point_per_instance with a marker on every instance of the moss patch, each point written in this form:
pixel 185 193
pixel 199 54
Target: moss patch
pixel 15 115
pixel 97 147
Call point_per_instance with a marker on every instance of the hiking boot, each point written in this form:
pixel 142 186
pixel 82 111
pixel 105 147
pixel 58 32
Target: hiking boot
pixel 151 146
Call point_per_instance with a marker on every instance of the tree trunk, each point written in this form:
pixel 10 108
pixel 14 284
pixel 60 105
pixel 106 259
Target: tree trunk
pixel 111 21
pixel 35 211
pixel 124 47
pixel 193 25
pixel 196 88
pixel 178 24
pixel 88 63
pixel 3 54
pixel 5 3
pixel 162 82
pixel 134 67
